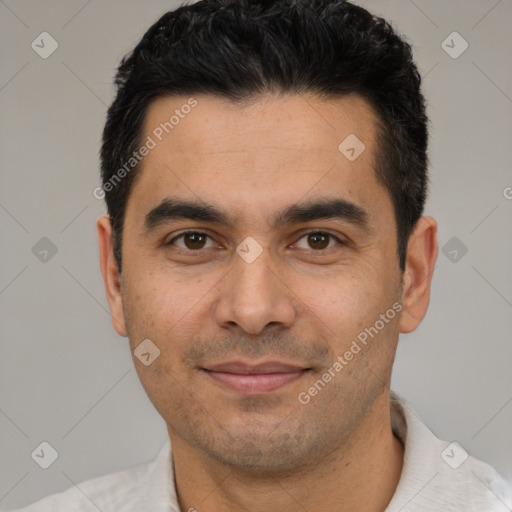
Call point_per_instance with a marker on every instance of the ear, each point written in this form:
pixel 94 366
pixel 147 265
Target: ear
pixel 111 277
pixel 419 267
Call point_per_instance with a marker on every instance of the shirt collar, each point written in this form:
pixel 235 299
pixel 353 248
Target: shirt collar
pixel 158 488
pixel 421 454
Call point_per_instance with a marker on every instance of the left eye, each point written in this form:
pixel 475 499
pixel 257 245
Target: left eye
pixel 192 240
pixel 318 240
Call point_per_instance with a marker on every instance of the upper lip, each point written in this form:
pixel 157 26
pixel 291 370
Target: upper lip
pixel 243 368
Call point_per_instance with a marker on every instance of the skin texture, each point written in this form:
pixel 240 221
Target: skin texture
pixel 300 302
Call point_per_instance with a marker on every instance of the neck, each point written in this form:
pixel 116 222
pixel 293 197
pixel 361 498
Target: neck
pixel 364 469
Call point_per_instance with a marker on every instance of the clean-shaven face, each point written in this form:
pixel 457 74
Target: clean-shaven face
pixel 254 253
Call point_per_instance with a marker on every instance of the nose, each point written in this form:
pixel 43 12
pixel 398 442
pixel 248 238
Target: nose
pixel 254 297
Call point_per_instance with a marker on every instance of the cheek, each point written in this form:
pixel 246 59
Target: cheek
pixel 161 306
pixel 165 311
pixel 348 304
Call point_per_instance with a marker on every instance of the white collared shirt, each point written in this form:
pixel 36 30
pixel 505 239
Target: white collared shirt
pixel 436 477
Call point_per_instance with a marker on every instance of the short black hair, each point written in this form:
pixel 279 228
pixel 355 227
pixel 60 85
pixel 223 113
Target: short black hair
pixel 239 49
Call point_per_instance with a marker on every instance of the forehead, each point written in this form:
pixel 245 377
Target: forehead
pixel 254 153
pixel 296 122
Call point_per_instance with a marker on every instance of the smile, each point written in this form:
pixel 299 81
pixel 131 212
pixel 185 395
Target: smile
pixel 254 379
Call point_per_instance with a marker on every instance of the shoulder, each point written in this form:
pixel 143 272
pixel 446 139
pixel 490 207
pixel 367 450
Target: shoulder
pixel 439 475
pixel 474 486
pixel 115 491
pixel 143 487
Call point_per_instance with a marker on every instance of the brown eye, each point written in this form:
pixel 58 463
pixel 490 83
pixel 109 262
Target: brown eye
pixel 318 240
pixel 194 240
pixel 191 240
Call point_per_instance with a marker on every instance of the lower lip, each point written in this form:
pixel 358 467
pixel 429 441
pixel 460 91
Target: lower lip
pixel 254 384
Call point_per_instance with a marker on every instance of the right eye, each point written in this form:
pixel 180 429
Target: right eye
pixel 191 241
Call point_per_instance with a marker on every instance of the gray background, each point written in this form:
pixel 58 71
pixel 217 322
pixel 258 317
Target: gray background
pixel 68 379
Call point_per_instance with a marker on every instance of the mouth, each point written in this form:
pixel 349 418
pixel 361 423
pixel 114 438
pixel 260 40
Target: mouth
pixel 254 379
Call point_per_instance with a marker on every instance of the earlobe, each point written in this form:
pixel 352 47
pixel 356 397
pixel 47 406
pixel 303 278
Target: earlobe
pixel 111 277
pixel 421 257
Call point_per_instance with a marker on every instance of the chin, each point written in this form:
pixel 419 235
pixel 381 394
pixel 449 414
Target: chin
pixel 263 451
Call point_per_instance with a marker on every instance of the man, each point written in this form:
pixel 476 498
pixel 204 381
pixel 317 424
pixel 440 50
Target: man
pixel 264 168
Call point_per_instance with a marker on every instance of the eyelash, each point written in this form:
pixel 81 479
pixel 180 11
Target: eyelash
pixel 313 232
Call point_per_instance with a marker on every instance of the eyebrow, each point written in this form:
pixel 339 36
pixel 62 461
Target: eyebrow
pixel 322 209
pixel 327 208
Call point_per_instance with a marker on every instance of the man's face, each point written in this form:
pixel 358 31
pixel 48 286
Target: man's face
pixel 223 318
